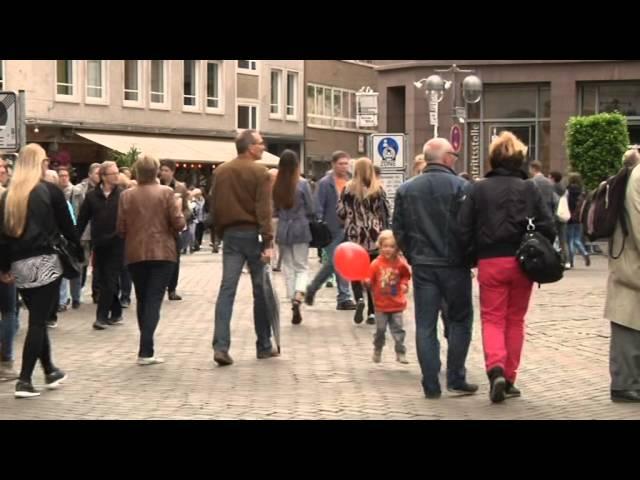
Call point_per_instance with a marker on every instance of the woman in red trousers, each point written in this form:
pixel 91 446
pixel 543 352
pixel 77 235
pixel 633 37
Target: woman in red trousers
pixel 493 220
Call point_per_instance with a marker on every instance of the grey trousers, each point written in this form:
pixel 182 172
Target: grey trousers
pixel 624 358
pixel 394 320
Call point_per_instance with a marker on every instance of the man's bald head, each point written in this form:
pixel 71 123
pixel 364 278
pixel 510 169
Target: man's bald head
pixel 439 150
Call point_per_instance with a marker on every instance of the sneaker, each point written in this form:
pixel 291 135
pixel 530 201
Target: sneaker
pixel 7 372
pixel 75 305
pixel 346 305
pixel 567 266
pixel 268 354
pixel 329 284
pixel 125 303
pixel 174 296
pixel 587 260
pixel 150 360
pixel 100 325
pixel 498 385
pixel 62 308
pixel 115 321
pixel 52 323
pixel 402 358
pixel 377 356
pixel 464 389
pixel 309 297
pixel 371 319
pixel 358 317
pixel 222 358
pixel 297 318
pixel 433 395
pixel 54 379
pixel 511 391
pixel 25 390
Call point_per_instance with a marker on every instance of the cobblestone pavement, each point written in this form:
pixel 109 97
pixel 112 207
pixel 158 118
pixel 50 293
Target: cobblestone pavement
pixel 325 371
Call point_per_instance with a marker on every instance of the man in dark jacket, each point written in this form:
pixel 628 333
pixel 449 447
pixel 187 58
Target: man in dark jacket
pixel 100 207
pixel 426 229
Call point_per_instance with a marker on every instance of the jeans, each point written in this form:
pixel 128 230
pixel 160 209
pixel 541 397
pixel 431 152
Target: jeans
pixel 9 320
pixel 433 285
pixel 574 238
pixel 75 285
pixel 109 260
pixel 295 265
pixel 41 303
pixel 150 280
pixel 240 246
pixel 561 228
pixel 504 300
pixel 328 269
pixel 175 276
pixel 199 234
pixel 394 320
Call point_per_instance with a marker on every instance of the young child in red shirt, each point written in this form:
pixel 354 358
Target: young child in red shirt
pixel 389 276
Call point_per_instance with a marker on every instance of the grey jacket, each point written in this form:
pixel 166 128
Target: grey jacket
pixel 327 203
pixel 293 223
pixel 548 192
pixel 78 194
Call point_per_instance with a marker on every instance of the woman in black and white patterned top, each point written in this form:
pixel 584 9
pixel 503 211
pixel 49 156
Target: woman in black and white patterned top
pixel 32 213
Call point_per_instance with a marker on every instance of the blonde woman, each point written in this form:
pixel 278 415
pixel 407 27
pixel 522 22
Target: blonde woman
pixel 32 213
pixel 493 220
pixel 364 211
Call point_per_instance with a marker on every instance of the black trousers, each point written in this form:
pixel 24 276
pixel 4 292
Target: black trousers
pixel 150 280
pixel 173 282
pixel 199 233
pixel 41 302
pixel 358 290
pixel 109 261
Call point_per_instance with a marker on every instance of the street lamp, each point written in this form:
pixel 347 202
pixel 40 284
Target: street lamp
pixel 436 86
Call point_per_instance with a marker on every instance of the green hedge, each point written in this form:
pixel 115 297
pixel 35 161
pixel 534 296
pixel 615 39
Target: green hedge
pixel 595 145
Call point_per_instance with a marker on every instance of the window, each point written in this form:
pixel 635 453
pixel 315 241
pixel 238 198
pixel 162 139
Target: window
pixel 248 117
pixel 276 88
pixel 132 82
pixel 1 74
pixel 623 97
pixel 96 81
pixel 248 65
pixel 65 79
pixel 214 81
pixel 158 95
pixel 292 95
pixel 191 71
pixel 328 106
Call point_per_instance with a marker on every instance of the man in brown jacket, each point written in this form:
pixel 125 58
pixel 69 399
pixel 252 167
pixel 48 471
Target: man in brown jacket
pixel 241 198
pixel 167 172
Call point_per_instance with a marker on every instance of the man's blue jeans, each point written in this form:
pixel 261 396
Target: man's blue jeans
pixel 328 269
pixel 240 246
pixel 433 286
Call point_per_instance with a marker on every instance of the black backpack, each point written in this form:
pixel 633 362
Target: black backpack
pixel 538 259
pixel 604 208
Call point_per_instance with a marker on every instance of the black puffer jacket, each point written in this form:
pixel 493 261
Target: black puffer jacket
pixel 47 214
pixel 493 217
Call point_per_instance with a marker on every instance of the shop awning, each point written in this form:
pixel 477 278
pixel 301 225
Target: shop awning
pixel 178 149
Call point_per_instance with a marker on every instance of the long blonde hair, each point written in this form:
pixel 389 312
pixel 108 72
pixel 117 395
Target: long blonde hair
pixel 365 184
pixel 26 176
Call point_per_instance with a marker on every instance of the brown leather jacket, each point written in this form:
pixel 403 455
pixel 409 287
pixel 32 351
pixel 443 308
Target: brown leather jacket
pixel 148 220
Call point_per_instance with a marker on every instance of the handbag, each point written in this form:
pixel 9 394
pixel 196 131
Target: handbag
pixel 320 234
pixel 71 264
pixel 539 261
pixel 562 212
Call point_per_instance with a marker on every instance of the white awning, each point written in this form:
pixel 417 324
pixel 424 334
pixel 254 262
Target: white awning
pixel 178 149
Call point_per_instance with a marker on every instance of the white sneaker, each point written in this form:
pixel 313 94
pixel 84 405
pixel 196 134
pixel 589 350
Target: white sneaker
pixel 401 358
pixel 149 360
pixel 567 266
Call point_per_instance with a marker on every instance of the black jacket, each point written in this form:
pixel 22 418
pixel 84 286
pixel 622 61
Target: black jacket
pixel 47 215
pixel 102 212
pixel 425 217
pixel 493 217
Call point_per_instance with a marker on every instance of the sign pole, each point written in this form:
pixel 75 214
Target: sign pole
pixel 22 123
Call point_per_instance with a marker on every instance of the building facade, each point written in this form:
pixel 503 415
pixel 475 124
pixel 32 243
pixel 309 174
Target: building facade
pixel 532 98
pixel 184 110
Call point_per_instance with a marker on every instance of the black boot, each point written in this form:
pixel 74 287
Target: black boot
pixel 297 317
pixel 587 260
pixel 511 390
pixel 498 384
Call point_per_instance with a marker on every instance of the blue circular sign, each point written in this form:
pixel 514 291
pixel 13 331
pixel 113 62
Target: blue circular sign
pixel 388 149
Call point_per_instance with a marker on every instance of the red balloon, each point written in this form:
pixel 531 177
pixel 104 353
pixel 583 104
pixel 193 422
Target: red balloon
pixel 351 262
